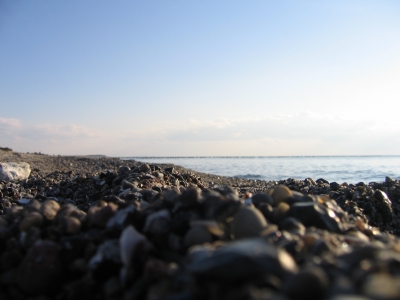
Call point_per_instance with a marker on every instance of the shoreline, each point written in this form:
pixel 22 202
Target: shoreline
pixel 45 164
pixel 115 229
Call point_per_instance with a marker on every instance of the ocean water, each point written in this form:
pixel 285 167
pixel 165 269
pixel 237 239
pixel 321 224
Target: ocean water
pixel 350 169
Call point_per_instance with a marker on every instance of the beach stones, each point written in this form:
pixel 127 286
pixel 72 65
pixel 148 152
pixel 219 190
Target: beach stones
pixel 262 198
pixel 131 231
pixel 247 222
pixel 197 235
pixel 245 260
pixel 131 243
pixel 158 222
pixel 14 171
pixel 99 214
pixel 334 186
pixel 190 197
pixel 384 205
pixel 49 209
pixel 106 261
pixel 281 193
pixel 308 284
pixel 202 232
pixel 32 219
pixel 144 168
pixel 382 286
pixel 41 271
pixel 316 214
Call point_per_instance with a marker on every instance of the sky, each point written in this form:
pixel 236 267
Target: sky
pixel 199 78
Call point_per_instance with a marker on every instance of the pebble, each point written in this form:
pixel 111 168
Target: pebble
pixel 41 271
pixel 281 193
pixel 31 219
pixel 49 209
pixel 248 222
pixel 197 235
pixel 10 171
pixel 308 284
pixel 241 261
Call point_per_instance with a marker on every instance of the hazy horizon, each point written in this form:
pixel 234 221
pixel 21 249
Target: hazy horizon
pixel 200 78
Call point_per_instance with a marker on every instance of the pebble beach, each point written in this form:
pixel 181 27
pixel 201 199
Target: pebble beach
pixel 96 227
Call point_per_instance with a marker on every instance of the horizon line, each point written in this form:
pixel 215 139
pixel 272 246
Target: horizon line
pixel 257 156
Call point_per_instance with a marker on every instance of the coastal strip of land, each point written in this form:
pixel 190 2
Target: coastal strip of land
pixel 101 227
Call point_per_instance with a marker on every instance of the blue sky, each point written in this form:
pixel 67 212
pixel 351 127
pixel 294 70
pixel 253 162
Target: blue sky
pixel 200 77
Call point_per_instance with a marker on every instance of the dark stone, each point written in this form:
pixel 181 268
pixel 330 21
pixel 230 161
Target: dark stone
pixel 123 170
pixel 315 214
pixel 292 225
pixel 246 260
pixel 134 197
pixel 10 259
pixel 295 198
pixel 156 188
pixel 389 180
pixel 95 196
pixel 321 180
pixel 257 199
pixel 41 271
pixel 384 206
pixel 127 185
pixel 190 198
pixel 122 218
pixel 267 210
pixel 144 168
pixel 377 185
pixel 349 193
pixel 180 222
pixel 334 186
pixel 354 258
pixel 107 261
pixel 148 195
pixel 310 284
pixel 170 170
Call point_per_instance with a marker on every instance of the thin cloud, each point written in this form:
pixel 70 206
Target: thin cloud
pixel 9 123
pixel 66 131
pixel 26 137
pixel 304 133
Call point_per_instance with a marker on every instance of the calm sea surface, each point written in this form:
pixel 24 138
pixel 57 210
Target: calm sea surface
pixel 351 169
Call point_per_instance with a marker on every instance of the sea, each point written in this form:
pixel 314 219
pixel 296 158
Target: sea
pixel 350 169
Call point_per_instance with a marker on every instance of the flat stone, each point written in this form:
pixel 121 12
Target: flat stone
pixel 248 259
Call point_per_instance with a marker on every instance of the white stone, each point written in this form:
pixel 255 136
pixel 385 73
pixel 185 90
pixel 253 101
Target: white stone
pixel 14 171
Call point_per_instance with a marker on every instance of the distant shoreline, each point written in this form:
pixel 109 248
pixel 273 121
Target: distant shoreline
pixel 255 156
